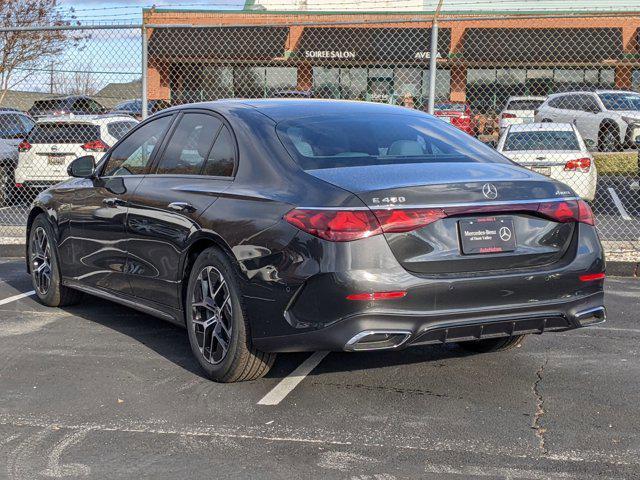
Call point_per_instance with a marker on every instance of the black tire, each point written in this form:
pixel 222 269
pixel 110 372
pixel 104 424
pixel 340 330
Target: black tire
pixel 6 186
pixel 609 138
pixel 547 120
pixel 493 344
pixel 55 294
pixel 240 361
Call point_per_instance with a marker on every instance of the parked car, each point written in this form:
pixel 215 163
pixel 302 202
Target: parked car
pixel 607 119
pixel 555 150
pixel 284 225
pixel 459 115
pixel 75 104
pixel 134 107
pixel 14 127
pixel 54 142
pixel 519 110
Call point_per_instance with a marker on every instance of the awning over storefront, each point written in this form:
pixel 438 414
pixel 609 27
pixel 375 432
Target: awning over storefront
pixel 371 44
pixel 542 44
pixel 212 43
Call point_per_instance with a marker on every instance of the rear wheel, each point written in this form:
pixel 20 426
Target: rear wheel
pixel 44 267
pixel 609 138
pixel 493 344
pixel 218 330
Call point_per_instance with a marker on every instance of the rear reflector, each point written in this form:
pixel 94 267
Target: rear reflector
pixel 376 296
pixel 591 277
pixel 578 165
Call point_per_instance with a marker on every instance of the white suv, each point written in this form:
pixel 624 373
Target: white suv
pixel 55 142
pixel 606 119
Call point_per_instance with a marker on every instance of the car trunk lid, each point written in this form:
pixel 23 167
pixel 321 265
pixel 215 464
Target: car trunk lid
pixel 474 203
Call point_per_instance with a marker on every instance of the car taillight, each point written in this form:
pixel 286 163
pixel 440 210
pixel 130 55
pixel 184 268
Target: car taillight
pixel 568 211
pixel 24 146
pixel 335 225
pixel 377 296
pixel 508 115
pixel 592 277
pixel 95 146
pixel 406 220
pixel 578 165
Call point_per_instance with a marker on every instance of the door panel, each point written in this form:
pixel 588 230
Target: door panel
pixel 163 217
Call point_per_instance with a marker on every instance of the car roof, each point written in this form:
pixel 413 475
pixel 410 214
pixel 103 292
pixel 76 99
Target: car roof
pixel 103 118
pixel 626 92
pixel 279 109
pixel 541 127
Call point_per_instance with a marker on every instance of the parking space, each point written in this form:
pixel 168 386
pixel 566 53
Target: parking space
pixel 98 390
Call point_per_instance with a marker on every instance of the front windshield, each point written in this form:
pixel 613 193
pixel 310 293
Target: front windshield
pixel 620 101
pixel 337 141
pixel 541 140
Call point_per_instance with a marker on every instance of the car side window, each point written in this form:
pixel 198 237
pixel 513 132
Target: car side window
pixel 11 126
pixel 588 104
pixel 132 156
pixel 221 160
pixel 556 102
pixel 119 129
pixel 189 145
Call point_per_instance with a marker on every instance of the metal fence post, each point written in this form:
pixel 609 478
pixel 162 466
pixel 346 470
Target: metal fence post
pixel 145 94
pixel 432 65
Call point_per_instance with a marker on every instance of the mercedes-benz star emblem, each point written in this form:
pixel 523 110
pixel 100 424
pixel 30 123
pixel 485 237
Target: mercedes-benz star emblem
pixel 505 234
pixel 490 191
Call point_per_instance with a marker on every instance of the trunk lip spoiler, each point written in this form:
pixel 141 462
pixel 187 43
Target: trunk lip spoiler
pixel 448 205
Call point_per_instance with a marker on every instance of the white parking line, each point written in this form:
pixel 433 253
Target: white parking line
pixel 619 205
pixel 287 384
pixel 17 297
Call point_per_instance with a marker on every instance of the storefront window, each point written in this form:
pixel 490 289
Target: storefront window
pixel 279 79
pixel 635 80
pixel 326 82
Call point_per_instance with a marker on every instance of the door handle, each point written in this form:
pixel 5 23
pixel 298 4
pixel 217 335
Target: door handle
pixel 181 207
pixel 114 202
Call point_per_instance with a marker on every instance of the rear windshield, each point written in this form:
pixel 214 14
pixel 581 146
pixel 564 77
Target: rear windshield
pixel 336 141
pixel 48 106
pixel 64 133
pixel 545 140
pixel 524 104
pixel 118 129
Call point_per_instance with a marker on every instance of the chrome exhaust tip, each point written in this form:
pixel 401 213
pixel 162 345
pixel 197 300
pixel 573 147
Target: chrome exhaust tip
pixel 593 316
pixel 377 340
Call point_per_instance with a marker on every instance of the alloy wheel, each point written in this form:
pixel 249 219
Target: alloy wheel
pixel 212 314
pixel 41 260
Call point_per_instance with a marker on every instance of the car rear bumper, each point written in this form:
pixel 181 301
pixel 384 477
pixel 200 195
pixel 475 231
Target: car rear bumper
pixel 366 331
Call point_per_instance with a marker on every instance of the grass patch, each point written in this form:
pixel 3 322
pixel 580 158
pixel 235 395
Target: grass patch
pixel 617 163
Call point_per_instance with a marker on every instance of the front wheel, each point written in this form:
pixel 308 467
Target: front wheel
pixel 218 329
pixel 493 344
pixel 44 266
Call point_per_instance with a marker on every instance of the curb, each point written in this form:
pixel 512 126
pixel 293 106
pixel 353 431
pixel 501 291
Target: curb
pixel 615 269
pixel 12 250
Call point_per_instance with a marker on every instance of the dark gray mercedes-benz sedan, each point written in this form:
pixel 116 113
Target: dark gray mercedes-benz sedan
pixel 270 226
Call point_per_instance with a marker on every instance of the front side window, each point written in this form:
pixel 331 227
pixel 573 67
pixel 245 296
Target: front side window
pixel 587 103
pixel 189 145
pixel 542 140
pixel 335 141
pixel 11 126
pixel 132 156
pixel 620 101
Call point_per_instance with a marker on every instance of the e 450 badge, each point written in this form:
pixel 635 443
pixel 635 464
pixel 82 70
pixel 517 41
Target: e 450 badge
pixel 388 200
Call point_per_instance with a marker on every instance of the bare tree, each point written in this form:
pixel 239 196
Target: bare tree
pixel 78 82
pixel 22 53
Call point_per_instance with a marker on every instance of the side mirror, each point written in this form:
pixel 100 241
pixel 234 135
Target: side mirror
pixel 637 142
pixel 82 167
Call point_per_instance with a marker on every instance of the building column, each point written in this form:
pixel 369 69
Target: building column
pixel 623 77
pixel 458 83
pixel 158 82
pixel 304 77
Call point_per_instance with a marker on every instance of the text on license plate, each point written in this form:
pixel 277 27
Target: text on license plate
pixel 55 160
pixel 542 170
pixel 487 235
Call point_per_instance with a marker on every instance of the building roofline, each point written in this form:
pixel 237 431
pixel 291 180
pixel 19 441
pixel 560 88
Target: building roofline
pixel 425 13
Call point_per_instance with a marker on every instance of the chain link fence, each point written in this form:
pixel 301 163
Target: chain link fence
pixel 554 94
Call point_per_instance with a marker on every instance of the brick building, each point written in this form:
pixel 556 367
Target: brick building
pixel 384 56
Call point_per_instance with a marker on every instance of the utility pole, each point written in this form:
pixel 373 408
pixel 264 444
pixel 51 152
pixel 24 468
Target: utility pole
pixel 51 77
pixel 433 57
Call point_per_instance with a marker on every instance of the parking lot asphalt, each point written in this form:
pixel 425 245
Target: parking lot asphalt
pixel 100 391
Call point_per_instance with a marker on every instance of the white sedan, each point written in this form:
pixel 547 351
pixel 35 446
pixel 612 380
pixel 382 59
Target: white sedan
pixel 555 150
